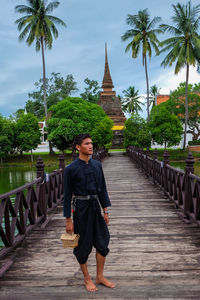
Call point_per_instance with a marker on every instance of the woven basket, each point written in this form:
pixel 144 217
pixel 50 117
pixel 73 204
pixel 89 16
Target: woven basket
pixel 70 240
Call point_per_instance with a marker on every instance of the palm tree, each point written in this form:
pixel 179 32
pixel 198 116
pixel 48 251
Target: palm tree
pixel 154 91
pixel 130 101
pixel 40 27
pixel 184 46
pixel 143 36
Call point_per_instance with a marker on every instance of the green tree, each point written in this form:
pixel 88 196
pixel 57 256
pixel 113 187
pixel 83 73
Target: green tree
pixel 184 46
pixel 130 101
pixel 176 105
pixel 102 134
pixel 57 88
pixel 92 91
pixel 136 132
pixel 7 137
pixel 154 91
pixel 73 116
pixel 40 27
pixel 143 36
pixel 165 127
pixel 28 133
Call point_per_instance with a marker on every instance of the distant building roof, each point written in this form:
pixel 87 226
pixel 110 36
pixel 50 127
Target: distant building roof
pixel 162 98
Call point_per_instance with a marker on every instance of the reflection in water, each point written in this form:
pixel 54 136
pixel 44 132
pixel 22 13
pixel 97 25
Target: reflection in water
pixel 14 177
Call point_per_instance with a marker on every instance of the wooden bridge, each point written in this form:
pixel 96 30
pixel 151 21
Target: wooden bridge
pixel 154 254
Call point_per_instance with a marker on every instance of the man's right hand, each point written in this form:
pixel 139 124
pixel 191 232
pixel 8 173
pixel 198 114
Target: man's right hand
pixel 69 226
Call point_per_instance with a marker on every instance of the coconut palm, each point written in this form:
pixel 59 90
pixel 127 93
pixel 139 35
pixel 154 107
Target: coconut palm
pixel 154 91
pixel 37 25
pixel 184 46
pixel 130 101
pixel 143 37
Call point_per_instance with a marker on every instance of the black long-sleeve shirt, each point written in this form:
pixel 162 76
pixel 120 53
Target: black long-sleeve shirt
pixel 81 178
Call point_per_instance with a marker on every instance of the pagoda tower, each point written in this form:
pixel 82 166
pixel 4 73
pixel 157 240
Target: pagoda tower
pixel 108 99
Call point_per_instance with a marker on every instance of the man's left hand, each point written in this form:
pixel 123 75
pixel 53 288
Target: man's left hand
pixel 106 218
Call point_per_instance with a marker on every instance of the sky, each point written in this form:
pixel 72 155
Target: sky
pixel 80 50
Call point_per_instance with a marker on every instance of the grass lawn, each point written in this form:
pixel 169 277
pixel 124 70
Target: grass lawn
pixel 176 154
pixel 25 159
pixel 52 160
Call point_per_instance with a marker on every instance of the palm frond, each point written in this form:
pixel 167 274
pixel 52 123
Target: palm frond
pixel 129 34
pixel 24 9
pixel 51 6
pixel 172 40
pixel 153 22
pixel 37 45
pixel 24 32
pixel 56 20
pixel 128 47
pixel 171 29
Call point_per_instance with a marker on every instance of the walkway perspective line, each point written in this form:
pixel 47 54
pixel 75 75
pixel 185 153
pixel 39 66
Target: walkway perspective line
pixel 153 253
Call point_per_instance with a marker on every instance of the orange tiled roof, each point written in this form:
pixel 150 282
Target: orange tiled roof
pixel 162 98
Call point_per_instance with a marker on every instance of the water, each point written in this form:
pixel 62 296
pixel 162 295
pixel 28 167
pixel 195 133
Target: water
pixel 14 177
pixel 181 166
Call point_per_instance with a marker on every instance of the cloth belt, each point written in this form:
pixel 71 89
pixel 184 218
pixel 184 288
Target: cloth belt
pixel 87 197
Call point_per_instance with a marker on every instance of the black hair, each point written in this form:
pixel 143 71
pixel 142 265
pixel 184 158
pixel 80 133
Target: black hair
pixel 80 137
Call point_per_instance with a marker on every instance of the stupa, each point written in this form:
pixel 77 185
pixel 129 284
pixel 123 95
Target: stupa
pixel 108 99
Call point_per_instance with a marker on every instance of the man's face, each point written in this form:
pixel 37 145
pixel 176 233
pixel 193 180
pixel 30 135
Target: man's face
pixel 86 147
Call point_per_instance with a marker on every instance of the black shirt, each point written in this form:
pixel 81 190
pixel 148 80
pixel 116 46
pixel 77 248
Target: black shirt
pixel 81 178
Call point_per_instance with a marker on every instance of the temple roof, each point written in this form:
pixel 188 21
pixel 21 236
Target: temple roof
pixel 107 80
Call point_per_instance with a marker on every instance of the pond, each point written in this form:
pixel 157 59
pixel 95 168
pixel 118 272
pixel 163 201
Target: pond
pixel 181 166
pixel 14 177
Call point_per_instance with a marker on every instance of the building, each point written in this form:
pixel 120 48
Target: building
pixel 111 104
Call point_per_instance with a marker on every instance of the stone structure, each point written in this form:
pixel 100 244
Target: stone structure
pixel 108 99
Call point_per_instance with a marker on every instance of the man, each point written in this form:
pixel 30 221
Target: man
pixel 84 179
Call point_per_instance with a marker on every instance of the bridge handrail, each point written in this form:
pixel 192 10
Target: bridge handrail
pixel 181 187
pixel 19 189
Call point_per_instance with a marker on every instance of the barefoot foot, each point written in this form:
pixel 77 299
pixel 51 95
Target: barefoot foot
pixel 105 282
pixel 90 286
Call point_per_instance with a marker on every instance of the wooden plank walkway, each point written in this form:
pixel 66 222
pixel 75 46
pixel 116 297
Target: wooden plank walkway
pixel 153 253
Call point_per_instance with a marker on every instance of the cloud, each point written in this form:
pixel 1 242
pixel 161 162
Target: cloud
pixel 169 82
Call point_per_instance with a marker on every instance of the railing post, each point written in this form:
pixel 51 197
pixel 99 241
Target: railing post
pixel 61 161
pixel 155 157
pixel 165 163
pixel 41 197
pixel 146 162
pixel 62 166
pixel 40 168
pixel 189 168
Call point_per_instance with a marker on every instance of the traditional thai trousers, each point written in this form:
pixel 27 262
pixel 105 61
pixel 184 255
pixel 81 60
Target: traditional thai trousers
pixel 91 226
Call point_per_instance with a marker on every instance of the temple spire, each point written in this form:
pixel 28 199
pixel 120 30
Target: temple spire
pixel 107 80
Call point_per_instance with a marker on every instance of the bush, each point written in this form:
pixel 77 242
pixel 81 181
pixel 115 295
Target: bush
pixel 192 143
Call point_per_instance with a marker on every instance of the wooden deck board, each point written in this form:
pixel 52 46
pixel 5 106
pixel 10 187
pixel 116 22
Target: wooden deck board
pixel 153 253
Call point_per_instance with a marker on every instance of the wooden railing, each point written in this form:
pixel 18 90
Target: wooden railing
pixel 27 206
pixel 24 208
pixel 181 187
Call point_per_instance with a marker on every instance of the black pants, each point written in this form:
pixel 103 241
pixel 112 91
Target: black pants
pixel 90 225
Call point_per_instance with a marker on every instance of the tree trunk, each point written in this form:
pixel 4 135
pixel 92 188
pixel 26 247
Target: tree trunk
pixel 186 106
pixel 44 91
pixel 147 82
pixel 31 156
pixel 44 79
pixel 51 152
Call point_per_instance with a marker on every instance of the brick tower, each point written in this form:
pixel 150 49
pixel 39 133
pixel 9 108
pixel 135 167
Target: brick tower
pixel 108 99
